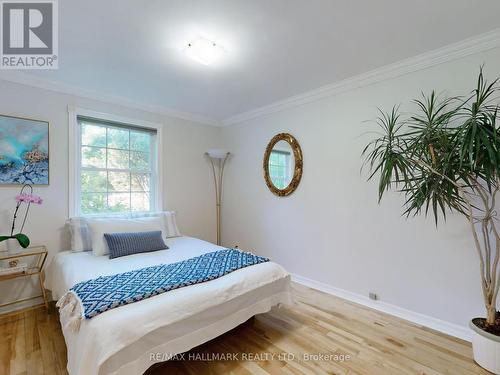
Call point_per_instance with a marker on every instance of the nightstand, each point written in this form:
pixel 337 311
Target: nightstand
pixel 34 260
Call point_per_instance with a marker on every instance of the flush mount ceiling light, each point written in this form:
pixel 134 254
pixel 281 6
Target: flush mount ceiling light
pixel 204 51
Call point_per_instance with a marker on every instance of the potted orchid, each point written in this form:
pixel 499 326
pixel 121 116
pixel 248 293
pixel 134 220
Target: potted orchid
pixel 27 198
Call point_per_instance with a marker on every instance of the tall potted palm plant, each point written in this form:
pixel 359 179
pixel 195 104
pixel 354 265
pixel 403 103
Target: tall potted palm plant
pixel 446 158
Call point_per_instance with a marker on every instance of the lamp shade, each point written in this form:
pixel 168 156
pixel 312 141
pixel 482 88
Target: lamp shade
pixel 217 153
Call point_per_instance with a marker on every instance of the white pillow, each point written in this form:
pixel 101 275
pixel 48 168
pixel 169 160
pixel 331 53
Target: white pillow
pixel 80 234
pixel 170 223
pixel 100 226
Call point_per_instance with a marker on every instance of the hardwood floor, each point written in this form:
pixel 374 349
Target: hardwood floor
pixel 376 343
pixel 31 342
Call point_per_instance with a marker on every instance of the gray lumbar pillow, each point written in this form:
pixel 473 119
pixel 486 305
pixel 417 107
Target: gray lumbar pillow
pixel 122 244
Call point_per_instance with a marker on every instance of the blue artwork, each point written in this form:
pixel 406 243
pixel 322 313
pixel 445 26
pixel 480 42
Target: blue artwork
pixel 24 151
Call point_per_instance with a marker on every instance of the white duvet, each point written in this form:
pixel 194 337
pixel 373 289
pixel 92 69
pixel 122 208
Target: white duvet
pixel 122 340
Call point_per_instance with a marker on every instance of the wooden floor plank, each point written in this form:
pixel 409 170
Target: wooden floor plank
pixel 318 324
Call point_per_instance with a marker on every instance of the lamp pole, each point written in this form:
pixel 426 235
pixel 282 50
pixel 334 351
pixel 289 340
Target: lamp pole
pixel 218 161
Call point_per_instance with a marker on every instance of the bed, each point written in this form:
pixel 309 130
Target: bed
pixel 131 338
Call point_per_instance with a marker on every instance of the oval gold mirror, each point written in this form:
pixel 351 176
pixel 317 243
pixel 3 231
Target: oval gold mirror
pixel 283 164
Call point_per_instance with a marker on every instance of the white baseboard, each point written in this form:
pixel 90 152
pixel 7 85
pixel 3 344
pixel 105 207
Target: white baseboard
pixel 451 329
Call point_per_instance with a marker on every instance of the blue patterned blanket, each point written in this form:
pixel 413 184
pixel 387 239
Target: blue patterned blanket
pixel 92 297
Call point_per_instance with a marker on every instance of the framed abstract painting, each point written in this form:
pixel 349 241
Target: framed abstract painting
pixel 24 151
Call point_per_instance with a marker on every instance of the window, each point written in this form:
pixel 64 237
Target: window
pixel 280 168
pixel 116 168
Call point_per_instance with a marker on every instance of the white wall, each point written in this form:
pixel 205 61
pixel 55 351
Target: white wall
pixel 331 229
pixel 188 186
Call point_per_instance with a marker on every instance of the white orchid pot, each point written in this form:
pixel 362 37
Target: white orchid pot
pixel 486 349
pixel 13 246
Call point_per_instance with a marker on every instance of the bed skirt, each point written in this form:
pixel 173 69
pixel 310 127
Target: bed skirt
pixel 191 332
pixel 189 341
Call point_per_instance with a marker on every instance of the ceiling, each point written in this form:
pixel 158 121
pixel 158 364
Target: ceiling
pixel 275 48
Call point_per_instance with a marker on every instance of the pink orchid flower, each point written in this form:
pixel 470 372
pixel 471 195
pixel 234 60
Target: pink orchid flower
pixel 29 198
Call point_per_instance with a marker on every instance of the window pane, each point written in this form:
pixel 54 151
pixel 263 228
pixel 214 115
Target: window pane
pixel 115 168
pixel 140 182
pixel 119 181
pixel 117 159
pixel 93 135
pixel 140 202
pixel 140 141
pixel 93 182
pixel 118 138
pixel 139 160
pixel 118 202
pixel 92 203
pixel 93 157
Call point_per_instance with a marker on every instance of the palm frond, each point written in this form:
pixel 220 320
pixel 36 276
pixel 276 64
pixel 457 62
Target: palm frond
pixel 432 156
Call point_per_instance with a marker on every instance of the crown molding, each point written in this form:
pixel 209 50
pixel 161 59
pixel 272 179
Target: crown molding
pixel 470 46
pixel 42 83
pixel 477 44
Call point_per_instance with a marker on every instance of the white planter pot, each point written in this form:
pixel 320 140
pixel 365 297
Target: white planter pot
pixel 486 349
pixel 13 246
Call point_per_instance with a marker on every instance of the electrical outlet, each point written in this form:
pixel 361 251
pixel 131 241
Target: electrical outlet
pixel 373 296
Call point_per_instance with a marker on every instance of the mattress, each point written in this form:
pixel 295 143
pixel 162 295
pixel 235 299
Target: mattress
pixel 131 338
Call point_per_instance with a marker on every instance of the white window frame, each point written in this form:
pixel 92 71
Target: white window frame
pixel 74 157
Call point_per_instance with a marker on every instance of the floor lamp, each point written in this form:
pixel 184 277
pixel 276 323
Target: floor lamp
pixel 218 160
